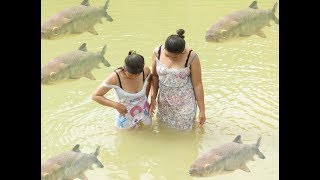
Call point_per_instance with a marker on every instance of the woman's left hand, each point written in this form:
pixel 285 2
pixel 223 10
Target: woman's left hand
pixel 202 119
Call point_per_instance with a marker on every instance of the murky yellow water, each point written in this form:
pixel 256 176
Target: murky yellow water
pixel 241 85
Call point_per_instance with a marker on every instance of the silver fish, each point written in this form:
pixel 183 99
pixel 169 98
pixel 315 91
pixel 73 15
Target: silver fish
pixel 74 20
pixel 73 65
pixel 225 158
pixel 69 165
pixel 242 23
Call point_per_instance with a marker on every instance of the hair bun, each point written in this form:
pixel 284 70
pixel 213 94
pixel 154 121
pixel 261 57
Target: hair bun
pixel 180 33
pixel 132 52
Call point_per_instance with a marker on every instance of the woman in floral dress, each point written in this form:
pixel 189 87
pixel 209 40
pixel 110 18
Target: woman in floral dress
pixel 177 84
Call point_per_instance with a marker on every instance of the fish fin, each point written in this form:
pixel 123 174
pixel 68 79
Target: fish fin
pixel 106 63
pixel 90 167
pixel 108 17
pixel 85 3
pixel 274 8
pixel 99 21
pixel 96 153
pixel 103 60
pixel 98 67
pixel 89 75
pixel 276 20
pixel 261 156
pixel 252 159
pixel 261 34
pixel 258 142
pixel 93 31
pixel 106 5
pixel 83 47
pixel 244 168
pixel 76 148
pixel 253 5
pixel 103 51
pixel 237 139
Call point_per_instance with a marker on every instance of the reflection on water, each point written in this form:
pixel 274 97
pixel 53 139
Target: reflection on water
pixel 240 81
pixel 148 149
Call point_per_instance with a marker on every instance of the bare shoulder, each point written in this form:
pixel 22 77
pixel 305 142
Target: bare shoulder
pixel 146 70
pixel 193 53
pixel 193 56
pixel 112 79
pixel 156 50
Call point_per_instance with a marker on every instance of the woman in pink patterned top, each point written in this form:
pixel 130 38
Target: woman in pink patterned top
pixel 177 84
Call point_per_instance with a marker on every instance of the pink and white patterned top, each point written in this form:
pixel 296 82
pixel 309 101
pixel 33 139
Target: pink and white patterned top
pixel 137 106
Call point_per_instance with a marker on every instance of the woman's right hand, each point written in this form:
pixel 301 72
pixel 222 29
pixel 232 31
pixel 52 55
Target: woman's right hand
pixel 121 109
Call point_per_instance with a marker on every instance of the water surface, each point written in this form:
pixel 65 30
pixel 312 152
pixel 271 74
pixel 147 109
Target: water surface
pixel 241 86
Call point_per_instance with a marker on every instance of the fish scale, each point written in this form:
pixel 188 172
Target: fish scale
pixel 245 22
pixel 227 157
pixel 74 20
pixel 72 65
pixel 69 165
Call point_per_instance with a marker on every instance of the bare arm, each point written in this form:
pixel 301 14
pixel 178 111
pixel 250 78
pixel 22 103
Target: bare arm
pixel 154 85
pixel 147 72
pixel 198 88
pixel 98 95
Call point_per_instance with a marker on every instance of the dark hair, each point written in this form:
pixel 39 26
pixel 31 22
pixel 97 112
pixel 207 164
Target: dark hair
pixel 134 63
pixel 175 43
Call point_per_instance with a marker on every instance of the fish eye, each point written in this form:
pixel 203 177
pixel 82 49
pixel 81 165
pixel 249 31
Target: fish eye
pixel 55 30
pixel 224 33
pixel 207 167
pixel 53 76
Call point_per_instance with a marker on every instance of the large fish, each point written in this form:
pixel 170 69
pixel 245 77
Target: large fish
pixel 74 20
pixel 69 165
pixel 73 65
pixel 225 158
pixel 242 23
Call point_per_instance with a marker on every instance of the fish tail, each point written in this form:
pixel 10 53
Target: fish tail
pixel 106 15
pixel 106 5
pixel 104 61
pixel 275 19
pixel 274 7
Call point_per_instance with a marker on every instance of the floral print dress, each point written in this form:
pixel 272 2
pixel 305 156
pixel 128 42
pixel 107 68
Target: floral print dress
pixel 176 99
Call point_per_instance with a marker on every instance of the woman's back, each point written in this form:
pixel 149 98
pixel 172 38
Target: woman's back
pixel 136 103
